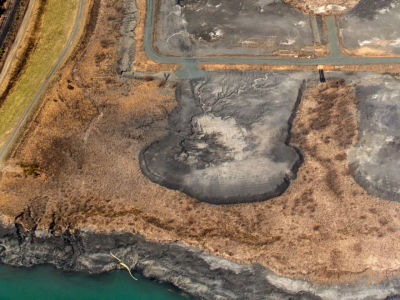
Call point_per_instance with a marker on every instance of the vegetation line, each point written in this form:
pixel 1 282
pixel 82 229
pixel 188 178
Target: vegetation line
pixel 21 65
pixel 11 54
pixel 39 72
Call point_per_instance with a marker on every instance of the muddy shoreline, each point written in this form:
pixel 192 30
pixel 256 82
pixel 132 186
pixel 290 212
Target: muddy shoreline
pixel 191 270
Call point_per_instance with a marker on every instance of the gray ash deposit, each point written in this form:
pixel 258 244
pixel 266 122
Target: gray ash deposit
pixel 376 157
pixel 228 139
pixel 224 27
pixel 374 25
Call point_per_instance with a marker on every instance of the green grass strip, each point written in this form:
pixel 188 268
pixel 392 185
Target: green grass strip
pixel 58 20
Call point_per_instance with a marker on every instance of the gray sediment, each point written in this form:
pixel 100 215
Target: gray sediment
pixel 211 28
pixel 228 138
pixel 127 41
pixel 375 158
pixel 379 22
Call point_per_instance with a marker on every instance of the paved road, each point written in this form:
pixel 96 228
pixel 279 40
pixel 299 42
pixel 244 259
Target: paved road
pixel 6 149
pixel 336 57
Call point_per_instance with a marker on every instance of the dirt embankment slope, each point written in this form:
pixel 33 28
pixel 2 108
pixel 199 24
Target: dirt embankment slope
pixel 84 147
pixel 10 21
pixel 24 53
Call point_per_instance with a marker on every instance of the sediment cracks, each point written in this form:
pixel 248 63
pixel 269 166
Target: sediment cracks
pixel 227 140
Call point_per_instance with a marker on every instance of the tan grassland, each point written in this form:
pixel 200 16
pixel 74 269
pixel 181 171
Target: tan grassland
pixel 380 68
pixel 369 51
pixel 36 68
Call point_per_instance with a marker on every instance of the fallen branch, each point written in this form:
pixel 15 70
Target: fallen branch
pixel 124 265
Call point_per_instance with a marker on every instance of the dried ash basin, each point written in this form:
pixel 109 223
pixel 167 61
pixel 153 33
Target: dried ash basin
pixel 196 28
pixel 228 138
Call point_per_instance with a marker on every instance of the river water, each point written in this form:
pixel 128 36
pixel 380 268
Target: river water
pixel 47 283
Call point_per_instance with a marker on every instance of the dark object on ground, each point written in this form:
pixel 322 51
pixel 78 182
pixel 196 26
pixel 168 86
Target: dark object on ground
pixel 321 76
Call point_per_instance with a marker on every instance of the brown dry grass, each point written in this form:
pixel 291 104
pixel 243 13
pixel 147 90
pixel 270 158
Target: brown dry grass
pixel 369 51
pixel 379 68
pixel 314 6
pixel 86 141
pixel 376 50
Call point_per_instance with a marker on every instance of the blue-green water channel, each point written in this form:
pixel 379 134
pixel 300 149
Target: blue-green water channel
pixel 47 283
